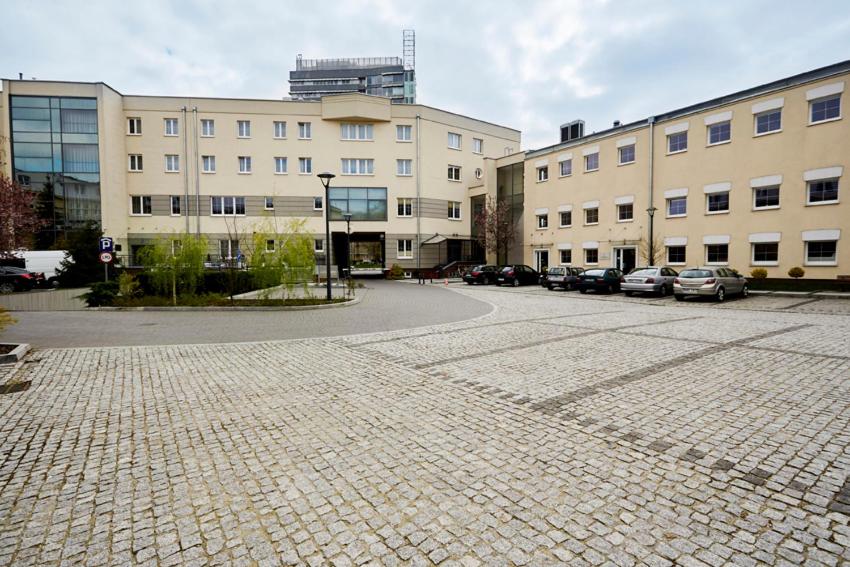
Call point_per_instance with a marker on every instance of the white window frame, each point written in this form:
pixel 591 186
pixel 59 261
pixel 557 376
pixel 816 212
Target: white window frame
pixel 273 245
pixel 404 167
pixel 318 245
pixel 171 127
pixel 454 210
pixel 808 262
pixel 477 146
pixel 569 163
pixel 268 203
pixel 135 163
pixel 543 173
pixel 728 208
pixel 141 201
pixel 561 256
pixel 405 205
pixel 758 115
pixel 769 207
pixel 179 205
pixel 305 166
pixel 207 128
pixel 670 138
pixel 245 166
pixel 678 215
pixel 824 99
pixel 671 262
pixel 402 130
pixel 305 130
pixel 452 137
pixel 278 161
pixel 459 173
pixel 561 219
pixel 810 203
pixel 357 166
pixel 542 221
pixel 279 130
pixel 134 126
pixel 172 163
pixel 586 211
pixel 208 164
pixel 404 249
pixel 243 128
pixel 620 151
pixel 321 201
pixel 587 159
pixel 224 200
pixel 356 132
pixel 619 208
pixel 753 261
pixel 588 262
pixel 705 254
pixel 708 128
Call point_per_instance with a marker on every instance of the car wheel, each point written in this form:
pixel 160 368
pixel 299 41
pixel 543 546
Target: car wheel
pixel 6 287
pixel 551 287
pixel 745 292
pixel 629 293
pixel 679 297
pixel 721 295
pixel 582 291
pixel 663 291
pixel 516 282
pixel 468 283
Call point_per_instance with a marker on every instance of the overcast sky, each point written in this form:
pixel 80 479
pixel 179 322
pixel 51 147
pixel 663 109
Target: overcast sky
pixel 530 65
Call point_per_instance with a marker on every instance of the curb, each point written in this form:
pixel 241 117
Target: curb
pixel 803 294
pixel 349 303
pixel 18 353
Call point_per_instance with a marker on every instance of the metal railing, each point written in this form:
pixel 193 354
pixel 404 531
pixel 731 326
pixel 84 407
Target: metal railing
pixel 347 63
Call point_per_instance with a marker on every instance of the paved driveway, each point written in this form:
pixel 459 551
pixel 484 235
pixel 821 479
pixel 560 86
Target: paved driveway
pixel 557 429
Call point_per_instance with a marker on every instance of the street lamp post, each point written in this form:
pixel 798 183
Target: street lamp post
pixel 347 217
pixel 326 181
pixel 651 244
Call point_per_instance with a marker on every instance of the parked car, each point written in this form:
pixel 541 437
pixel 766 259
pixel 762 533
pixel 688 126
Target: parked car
pixel 517 274
pixel 16 279
pixel 45 262
pixel 652 279
pixel 483 274
pixel 565 279
pixel 600 279
pixel 709 282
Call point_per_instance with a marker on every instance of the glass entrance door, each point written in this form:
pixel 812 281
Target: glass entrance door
pixel 541 260
pixel 624 259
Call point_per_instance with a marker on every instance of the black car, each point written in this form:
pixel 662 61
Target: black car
pixel 15 279
pixel 518 274
pixel 600 279
pixel 483 274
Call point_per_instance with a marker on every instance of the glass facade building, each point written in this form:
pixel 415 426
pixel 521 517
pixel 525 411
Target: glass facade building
pixel 55 153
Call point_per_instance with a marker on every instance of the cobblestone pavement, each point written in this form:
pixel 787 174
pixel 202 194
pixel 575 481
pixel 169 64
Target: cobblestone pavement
pixel 558 429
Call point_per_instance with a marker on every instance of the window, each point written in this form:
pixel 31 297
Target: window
pixel 717 253
pixel 591 162
pixel 140 205
pixel 403 133
pixel 454 210
pixel 317 203
pixel 454 141
pixel 542 221
pixel 677 142
pixel 229 249
pixel 208 163
pixel 135 162
pixel 770 121
pixel 718 202
pixel 304 131
pixel 134 126
pixel 404 166
pixel 625 212
pixel 591 216
pixel 363 203
pixel 172 163
pixel 566 218
pixel 566 167
pixel 175 205
pixel 405 248
pixel 227 206
pixel 358 166
pixel 454 173
pixel 543 173
pixel 677 207
pixel 627 154
pixel 676 255
pixel 822 252
pixel 766 197
pixel 719 133
pixel 477 146
pixel 243 128
pixel 279 130
pixel 305 165
pixel 280 165
pixel 766 253
pixel 822 192
pixel 566 257
pixel 171 128
pixel 270 245
pixel 244 164
pixel 268 203
pixel 828 108
pixel 405 207
pixel 591 256
pixel 356 131
pixel 207 128
pixel 318 245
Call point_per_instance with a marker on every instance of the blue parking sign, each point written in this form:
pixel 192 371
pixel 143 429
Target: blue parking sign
pixel 105 244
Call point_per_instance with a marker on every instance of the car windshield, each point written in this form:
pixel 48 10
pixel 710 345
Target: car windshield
pixel 14 270
pixel 507 269
pixel 643 272
pixel 594 273
pixel 695 274
pixel 556 271
pixel 477 268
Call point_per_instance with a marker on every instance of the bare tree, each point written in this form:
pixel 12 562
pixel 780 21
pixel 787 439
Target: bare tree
pixel 496 230
pixel 654 253
pixel 19 219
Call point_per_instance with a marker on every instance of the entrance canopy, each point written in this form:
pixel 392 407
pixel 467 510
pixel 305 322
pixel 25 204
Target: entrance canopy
pixel 439 239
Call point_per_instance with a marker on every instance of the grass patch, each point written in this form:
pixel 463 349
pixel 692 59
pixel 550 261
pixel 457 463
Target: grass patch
pixel 217 300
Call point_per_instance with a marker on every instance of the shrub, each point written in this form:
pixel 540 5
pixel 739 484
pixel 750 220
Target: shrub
pixel 396 272
pixel 128 285
pixel 5 319
pixel 796 272
pixel 101 294
pixel 758 273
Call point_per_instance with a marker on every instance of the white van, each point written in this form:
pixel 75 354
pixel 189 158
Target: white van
pixel 44 261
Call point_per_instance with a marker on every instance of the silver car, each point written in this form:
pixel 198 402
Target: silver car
pixel 652 279
pixel 709 281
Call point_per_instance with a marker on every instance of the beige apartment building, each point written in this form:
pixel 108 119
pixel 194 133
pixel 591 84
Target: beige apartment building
pixel 146 166
pixel 752 179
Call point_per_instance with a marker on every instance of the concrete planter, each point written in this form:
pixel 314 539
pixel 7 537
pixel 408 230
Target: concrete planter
pixel 17 353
